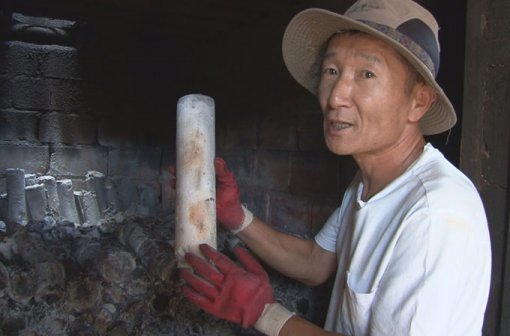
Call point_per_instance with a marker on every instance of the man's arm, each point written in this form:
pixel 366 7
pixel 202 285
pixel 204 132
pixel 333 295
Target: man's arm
pixel 297 326
pixel 297 258
pixel 300 259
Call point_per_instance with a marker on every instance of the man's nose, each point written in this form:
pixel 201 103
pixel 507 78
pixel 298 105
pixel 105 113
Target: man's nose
pixel 341 91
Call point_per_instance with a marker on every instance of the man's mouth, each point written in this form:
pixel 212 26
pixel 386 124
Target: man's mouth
pixel 339 125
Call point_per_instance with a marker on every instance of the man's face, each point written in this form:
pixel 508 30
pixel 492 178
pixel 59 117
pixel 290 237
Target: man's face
pixel 362 95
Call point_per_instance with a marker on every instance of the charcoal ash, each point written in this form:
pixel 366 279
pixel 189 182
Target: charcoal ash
pixel 114 275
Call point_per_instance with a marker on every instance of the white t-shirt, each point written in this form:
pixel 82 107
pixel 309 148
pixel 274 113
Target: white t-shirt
pixel 414 259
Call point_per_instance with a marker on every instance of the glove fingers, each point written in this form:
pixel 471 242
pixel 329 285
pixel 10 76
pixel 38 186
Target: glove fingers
pixel 173 180
pixel 223 175
pixel 172 169
pixel 204 269
pixel 220 166
pixel 224 264
pixel 199 286
pixel 249 262
pixel 197 298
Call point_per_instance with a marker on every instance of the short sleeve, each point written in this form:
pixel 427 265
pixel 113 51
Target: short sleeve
pixel 328 235
pixel 326 238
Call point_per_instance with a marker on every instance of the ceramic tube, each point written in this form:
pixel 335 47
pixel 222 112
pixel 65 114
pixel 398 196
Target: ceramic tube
pixel 195 203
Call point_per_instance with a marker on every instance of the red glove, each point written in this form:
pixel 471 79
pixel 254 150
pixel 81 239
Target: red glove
pixel 173 180
pixel 229 291
pixel 228 206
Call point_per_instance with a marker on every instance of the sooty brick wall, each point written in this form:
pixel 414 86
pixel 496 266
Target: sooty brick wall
pixel 71 104
pixel 75 100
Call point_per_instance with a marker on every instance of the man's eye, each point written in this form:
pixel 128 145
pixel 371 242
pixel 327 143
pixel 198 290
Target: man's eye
pixel 368 74
pixel 329 71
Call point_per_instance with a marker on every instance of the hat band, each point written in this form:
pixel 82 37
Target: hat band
pixel 405 41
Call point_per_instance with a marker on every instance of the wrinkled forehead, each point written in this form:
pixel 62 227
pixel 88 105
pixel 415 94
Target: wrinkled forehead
pixel 365 46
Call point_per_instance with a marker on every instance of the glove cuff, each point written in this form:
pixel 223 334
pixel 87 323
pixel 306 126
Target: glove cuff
pixel 272 319
pixel 247 219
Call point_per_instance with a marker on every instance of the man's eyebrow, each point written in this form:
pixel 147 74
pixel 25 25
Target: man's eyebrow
pixel 361 54
pixel 369 57
pixel 328 54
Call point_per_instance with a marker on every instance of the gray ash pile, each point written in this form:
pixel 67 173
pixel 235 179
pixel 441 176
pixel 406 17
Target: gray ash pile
pixel 92 263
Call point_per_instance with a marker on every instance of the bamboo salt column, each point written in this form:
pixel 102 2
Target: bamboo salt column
pixel 195 203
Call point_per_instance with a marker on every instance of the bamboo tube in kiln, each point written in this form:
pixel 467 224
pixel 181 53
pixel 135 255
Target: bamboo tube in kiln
pixel 195 204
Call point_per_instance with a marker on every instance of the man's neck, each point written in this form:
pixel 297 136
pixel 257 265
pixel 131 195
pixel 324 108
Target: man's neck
pixel 380 169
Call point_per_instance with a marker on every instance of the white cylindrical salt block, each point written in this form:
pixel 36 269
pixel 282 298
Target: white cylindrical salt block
pixel 16 202
pixel 96 183
pixel 3 207
pixel 88 207
pixel 112 198
pixel 195 203
pixel 50 185
pixel 68 209
pixel 30 179
pixel 36 201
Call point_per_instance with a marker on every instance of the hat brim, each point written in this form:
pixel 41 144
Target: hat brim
pixel 305 38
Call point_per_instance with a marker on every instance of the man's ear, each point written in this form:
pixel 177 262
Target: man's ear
pixel 422 98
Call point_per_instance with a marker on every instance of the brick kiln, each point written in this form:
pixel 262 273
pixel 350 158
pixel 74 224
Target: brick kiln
pixel 87 131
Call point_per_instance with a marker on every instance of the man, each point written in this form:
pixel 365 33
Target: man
pixel 409 243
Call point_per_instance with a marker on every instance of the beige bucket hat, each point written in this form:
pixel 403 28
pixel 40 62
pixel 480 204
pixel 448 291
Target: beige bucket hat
pixel 403 24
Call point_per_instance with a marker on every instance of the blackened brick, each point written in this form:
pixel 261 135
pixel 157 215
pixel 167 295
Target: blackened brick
pixel 33 159
pixel 66 95
pixel 17 58
pixel 31 93
pixel 78 160
pixel 60 62
pixel 168 158
pixel 140 163
pixel 18 125
pixel 167 193
pixel 290 214
pixel 315 174
pixel 278 133
pixel 67 128
pixel 272 170
pixel 135 130
pixel 5 92
pixel 4 67
pixel 237 132
pixel 310 133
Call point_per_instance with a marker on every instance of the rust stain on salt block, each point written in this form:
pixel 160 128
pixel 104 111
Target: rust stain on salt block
pixel 195 156
pixel 198 215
